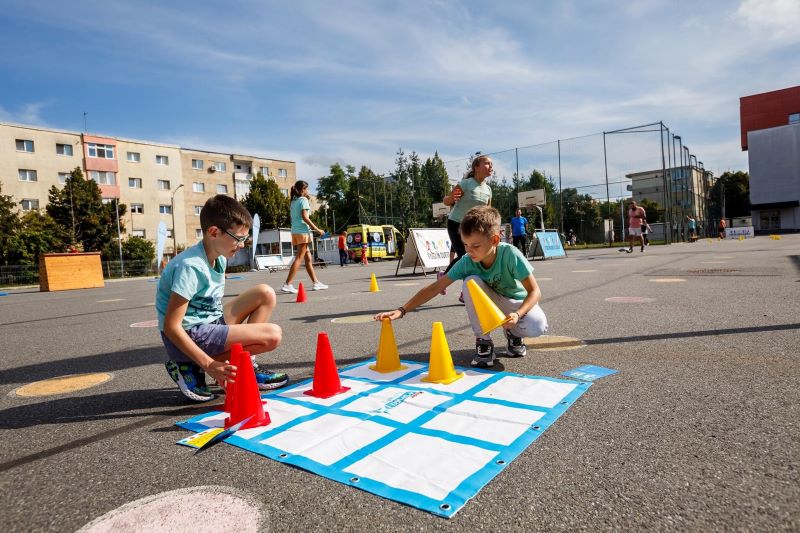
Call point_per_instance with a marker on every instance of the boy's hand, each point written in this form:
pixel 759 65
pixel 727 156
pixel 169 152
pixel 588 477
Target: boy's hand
pixel 512 319
pixel 391 315
pixel 221 371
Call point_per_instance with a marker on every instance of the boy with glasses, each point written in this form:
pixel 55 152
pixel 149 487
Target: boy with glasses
pixel 196 328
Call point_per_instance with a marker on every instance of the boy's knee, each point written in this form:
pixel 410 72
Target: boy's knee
pixel 273 334
pixel 266 293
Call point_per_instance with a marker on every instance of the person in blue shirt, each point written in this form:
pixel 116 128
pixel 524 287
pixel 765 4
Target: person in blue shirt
pixel 196 328
pixel 299 209
pixel 519 232
pixel 504 274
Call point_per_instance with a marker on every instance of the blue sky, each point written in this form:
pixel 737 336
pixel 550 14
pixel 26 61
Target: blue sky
pixel 318 82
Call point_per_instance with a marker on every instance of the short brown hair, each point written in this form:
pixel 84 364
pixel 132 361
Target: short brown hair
pixel 224 212
pixel 482 219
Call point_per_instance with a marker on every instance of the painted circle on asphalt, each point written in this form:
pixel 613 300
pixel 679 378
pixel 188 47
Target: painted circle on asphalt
pixel 406 284
pixel 553 343
pixel 145 324
pixel 667 280
pixel 581 271
pixel 355 319
pixel 62 384
pixel 197 509
pixel 630 300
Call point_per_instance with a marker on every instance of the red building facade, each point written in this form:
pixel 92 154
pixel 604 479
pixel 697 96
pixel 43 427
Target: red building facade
pixel 768 110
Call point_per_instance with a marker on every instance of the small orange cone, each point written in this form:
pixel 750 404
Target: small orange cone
pixel 301 293
pixel 373 284
pixel 489 315
pixel 388 358
pixel 246 400
pixel 441 369
pixel 326 376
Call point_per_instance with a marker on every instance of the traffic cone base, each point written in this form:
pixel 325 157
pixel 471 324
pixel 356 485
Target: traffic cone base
pixel 373 284
pixel 326 376
pixel 387 359
pixel 245 400
pixel 489 315
pixel 440 368
pixel 301 293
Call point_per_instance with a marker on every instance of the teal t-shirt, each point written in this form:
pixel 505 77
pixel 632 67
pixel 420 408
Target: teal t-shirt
pixel 190 276
pixel 296 209
pixel 504 276
pixel 475 194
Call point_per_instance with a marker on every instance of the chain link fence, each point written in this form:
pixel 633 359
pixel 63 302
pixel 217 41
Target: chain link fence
pixel 12 275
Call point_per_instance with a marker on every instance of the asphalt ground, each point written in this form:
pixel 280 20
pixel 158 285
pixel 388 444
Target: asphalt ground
pixel 697 431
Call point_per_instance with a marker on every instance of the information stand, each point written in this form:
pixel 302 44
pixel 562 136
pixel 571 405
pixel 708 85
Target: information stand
pixel 426 248
pixel 548 245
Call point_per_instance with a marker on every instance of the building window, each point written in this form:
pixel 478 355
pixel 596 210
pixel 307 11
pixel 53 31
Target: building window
pixel 220 167
pixel 163 185
pixel 264 171
pixel 135 183
pixel 64 149
pixel 101 151
pixel 198 234
pixel 63 176
pixel 27 175
pixel 222 189
pixel 162 160
pixel 285 192
pixel 770 219
pixel 102 178
pixel 198 187
pixel 282 172
pixel 138 233
pixel 137 209
pixel 197 164
pixel 197 209
pixel 169 233
pixel 24 146
pixel 165 209
pixel 242 188
pixel 134 157
pixel 29 205
pixel 794 118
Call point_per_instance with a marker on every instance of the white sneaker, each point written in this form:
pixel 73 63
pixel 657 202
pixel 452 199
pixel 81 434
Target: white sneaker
pixel 319 286
pixel 288 287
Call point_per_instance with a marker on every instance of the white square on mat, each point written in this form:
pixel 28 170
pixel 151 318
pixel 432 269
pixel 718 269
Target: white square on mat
pixel 298 393
pixel 427 465
pixel 364 371
pixel 280 413
pixel 397 404
pixel 328 438
pixel 485 421
pixel 528 391
pixel 469 380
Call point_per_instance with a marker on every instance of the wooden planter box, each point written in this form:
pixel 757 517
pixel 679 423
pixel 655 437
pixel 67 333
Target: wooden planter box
pixel 62 272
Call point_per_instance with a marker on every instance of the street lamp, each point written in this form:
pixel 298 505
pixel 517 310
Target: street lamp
pixel 172 209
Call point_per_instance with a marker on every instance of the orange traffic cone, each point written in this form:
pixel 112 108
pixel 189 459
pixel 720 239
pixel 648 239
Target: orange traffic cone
pixel 326 376
pixel 489 315
pixel 246 400
pixel 301 294
pixel 236 349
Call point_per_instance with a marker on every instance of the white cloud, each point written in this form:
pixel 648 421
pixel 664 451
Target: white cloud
pixel 775 20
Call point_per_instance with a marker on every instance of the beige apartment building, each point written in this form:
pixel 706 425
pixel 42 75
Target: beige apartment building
pixel 158 182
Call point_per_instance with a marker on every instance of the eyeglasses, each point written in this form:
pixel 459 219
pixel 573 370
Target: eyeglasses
pixel 239 240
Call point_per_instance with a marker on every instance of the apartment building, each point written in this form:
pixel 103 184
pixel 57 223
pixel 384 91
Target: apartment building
pixel 688 185
pixel 158 182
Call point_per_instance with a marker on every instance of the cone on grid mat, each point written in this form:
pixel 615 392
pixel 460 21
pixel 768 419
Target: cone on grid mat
pixel 388 358
pixel 245 400
pixel 440 368
pixel 489 315
pixel 301 293
pixel 326 375
pixel 236 349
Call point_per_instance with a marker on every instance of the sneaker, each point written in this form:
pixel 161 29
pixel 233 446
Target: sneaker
pixel 319 286
pixel 288 287
pixel 516 345
pixel 440 275
pixel 642 249
pixel 629 250
pixel 461 297
pixel 622 250
pixel 191 380
pixel 484 354
pixel 268 380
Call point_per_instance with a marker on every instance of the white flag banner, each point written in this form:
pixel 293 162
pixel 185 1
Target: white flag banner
pixel 256 229
pixel 161 239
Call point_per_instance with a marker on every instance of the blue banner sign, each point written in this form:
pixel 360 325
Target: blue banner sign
pixel 549 244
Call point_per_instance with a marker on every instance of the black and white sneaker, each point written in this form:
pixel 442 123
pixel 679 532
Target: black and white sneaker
pixel 484 354
pixel 191 380
pixel 516 345
pixel 268 380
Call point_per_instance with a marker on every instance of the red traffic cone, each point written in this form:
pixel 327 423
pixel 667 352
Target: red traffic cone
pixel 246 400
pixel 236 349
pixel 301 294
pixel 326 376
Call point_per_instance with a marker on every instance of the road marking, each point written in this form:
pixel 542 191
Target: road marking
pixel 713 262
pixel 667 280
pixel 630 300
pixel 62 384
pixel 145 324
pixel 584 271
pixel 113 300
pixel 406 284
pixel 544 279
pixel 547 343
pixel 356 319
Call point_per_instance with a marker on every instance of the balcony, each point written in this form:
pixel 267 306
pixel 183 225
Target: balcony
pixel 243 176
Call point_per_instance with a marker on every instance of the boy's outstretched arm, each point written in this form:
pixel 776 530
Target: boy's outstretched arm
pixel 221 371
pixel 425 294
pixel 533 297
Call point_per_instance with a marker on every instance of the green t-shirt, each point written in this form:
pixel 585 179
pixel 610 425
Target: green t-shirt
pixel 190 276
pixel 298 205
pixel 475 194
pixel 504 276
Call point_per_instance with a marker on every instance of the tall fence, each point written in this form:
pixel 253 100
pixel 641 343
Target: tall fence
pixel 29 274
pixel 593 176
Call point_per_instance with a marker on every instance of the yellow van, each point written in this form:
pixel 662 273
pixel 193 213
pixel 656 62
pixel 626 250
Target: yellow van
pixel 383 242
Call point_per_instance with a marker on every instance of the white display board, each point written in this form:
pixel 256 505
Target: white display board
pixel 429 247
pixel 734 233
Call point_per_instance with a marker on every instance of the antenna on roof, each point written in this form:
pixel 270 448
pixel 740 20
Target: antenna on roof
pixel 84 121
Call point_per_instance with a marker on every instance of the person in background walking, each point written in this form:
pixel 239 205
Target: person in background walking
pixel 342 248
pixel 299 209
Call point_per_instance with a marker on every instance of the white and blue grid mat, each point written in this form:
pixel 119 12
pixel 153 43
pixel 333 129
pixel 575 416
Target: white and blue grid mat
pixel 422 444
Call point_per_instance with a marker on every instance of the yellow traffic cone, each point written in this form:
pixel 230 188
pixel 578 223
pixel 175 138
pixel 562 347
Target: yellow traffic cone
pixel 373 284
pixel 388 359
pixel 741 237
pixel 441 369
pixel 489 315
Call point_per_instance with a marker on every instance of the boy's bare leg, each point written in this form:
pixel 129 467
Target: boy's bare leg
pixel 254 306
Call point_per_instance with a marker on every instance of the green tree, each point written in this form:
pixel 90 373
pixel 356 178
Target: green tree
pixel 79 209
pixel 736 187
pixel 38 234
pixel 403 201
pixel 138 249
pixel 435 181
pixel 9 226
pixel 266 200
pixel 337 193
